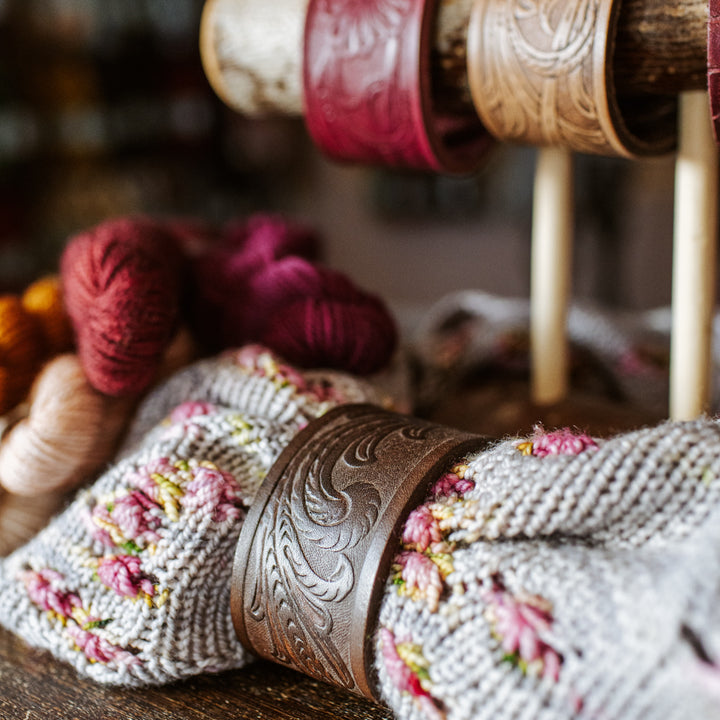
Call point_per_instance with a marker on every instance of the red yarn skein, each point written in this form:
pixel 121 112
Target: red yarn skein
pixel 316 317
pixel 121 284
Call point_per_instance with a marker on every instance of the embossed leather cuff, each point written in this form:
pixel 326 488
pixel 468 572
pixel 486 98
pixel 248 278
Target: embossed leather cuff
pixel 316 547
pixel 368 89
pixel 541 73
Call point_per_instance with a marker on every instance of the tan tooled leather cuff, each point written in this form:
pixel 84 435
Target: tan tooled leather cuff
pixel 316 547
pixel 540 73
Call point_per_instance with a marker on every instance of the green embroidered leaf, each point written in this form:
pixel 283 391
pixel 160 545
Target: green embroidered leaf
pixel 95 624
pixel 131 547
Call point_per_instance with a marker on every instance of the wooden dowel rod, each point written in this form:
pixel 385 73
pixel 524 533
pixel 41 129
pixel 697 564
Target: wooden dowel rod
pixel 550 276
pixel 661 46
pixel 252 51
pixel 695 249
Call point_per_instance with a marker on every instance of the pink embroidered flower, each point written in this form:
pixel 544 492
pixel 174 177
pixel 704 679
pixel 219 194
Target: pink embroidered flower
pixel 324 391
pixel 130 518
pixel 160 480
pixel 46 588
pixel 248 356
pixel 98 649
pixel 401 675
pixel 560 442
pixel 260 361
pixel 519 623
pixel 421 529
pixel 420 578
pixel 406 678
pixel 122 573
pixel 188 410
pixel 452 485
pixel 213 492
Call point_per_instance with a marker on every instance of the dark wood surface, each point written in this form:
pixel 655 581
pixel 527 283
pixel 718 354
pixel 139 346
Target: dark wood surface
pixel 34 686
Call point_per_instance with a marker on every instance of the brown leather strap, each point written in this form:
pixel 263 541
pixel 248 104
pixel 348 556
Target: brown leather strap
pixel 316 547
pixel 540 73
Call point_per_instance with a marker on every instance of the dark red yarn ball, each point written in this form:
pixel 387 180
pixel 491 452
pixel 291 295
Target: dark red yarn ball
pixel 316 317
pixel 121 283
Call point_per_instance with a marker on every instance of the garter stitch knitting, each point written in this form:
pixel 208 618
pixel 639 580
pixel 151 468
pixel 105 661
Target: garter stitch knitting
pixel 550 577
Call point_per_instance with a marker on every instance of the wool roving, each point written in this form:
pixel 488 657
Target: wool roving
pixel 549 577
pixel 121 281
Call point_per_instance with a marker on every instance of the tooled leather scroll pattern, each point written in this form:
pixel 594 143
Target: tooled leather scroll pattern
pixel 714 65
pixel 361 83
pixel 300 585
pixel 539 72
pixel 316 547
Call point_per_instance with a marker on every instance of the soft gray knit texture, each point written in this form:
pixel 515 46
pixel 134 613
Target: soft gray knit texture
pixel 621 542
pixel 189 563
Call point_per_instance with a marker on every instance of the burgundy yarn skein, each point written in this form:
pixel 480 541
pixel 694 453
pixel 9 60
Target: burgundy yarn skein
pixel 223 312
pixel 259 285
pixel 316 317
pixel 265 238
pixel 121 283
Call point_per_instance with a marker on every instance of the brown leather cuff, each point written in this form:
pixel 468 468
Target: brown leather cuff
pixel 316 547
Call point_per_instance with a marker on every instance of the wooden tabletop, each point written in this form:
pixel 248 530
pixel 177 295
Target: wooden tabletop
pixel 34 686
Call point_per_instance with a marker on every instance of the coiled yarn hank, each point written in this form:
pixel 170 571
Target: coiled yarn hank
pixel 22 517
pixel 265 238
pixel 223 311
pixel 33 328
pixel 318 317
pixel 43 300
pixel 71 430
pixel 21 351
pixel 261 285
pixel 121 281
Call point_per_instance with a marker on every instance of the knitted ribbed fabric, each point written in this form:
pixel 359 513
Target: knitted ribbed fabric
pixel 561 577
pixel 554 576
pixel 131 584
